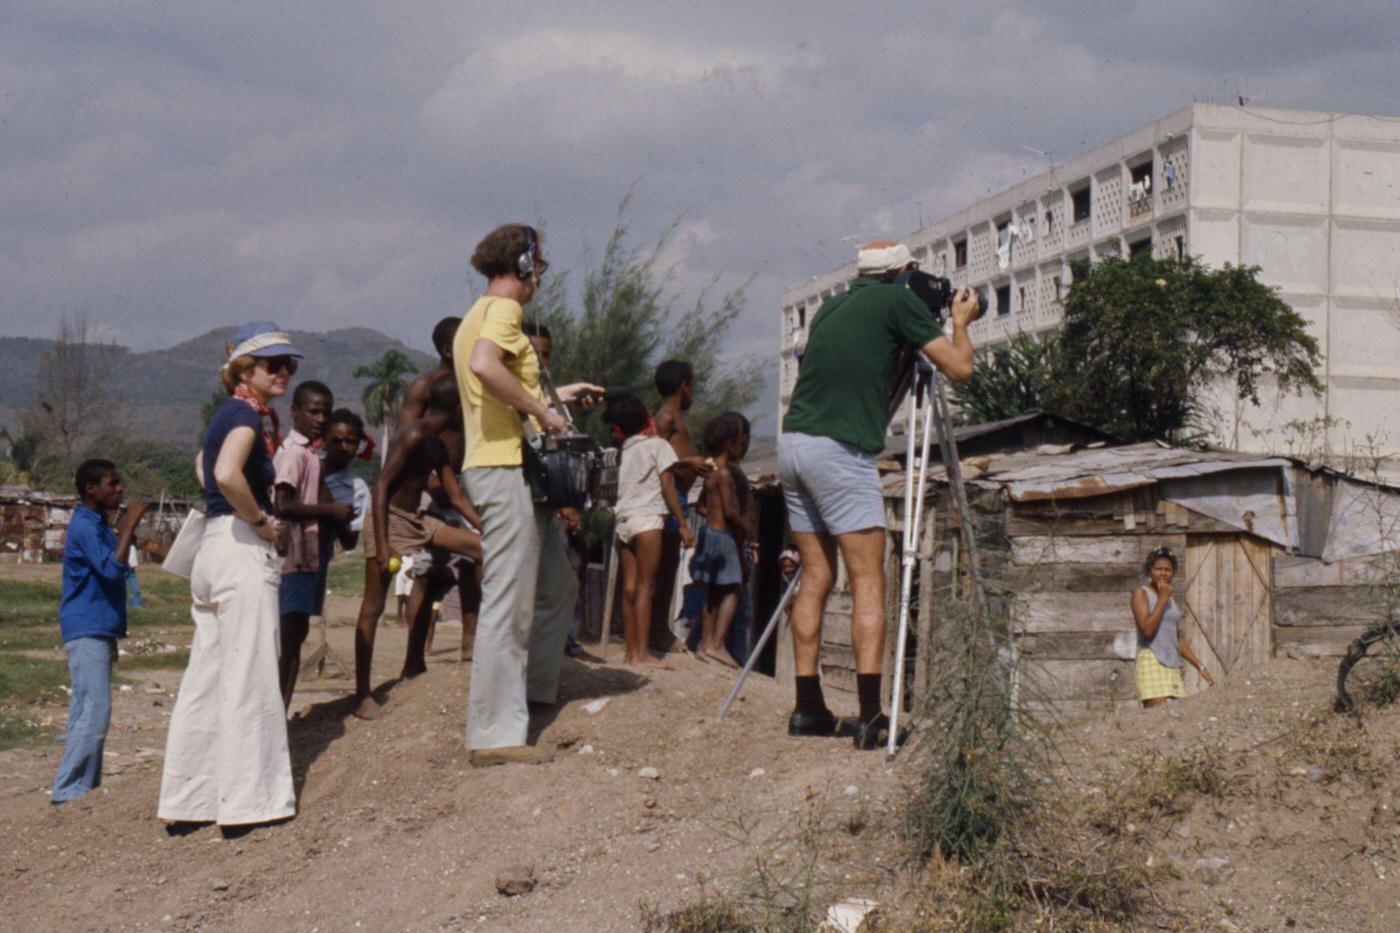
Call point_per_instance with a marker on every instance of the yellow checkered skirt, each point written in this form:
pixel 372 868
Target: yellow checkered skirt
pixel 1155 679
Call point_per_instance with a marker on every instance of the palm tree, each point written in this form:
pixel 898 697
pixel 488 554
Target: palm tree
pixel 384 392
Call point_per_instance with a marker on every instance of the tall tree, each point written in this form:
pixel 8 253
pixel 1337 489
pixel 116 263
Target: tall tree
pixel 76 399
pixel 384 393
pixel 1142 340
pixel 628 315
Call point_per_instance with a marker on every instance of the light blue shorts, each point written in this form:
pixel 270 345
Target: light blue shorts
pixel 830 487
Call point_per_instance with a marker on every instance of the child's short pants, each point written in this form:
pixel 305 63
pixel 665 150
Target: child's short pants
pixel 407 531
pixel 716 561
pixel 303 592
pixel 629 526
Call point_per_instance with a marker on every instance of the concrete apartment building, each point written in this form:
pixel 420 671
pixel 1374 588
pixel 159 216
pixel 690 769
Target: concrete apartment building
pixel 1313 199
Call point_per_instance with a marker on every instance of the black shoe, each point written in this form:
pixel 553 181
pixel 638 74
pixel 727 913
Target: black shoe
pixel 876 734
pixel 821 725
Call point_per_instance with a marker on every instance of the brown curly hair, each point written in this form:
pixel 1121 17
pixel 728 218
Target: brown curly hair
pixel 498 251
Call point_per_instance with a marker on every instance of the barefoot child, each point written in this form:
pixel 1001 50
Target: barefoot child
pixel 646 491
pixel 675 382
pixel 718 563
pixel 400 528
pixel 312 523
pixel 91 617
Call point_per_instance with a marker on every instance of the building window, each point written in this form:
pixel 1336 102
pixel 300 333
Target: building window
pixel 1003 300
pixel 1081 204
pixel 1059 289
pixel 1140 248
pixel 1004 245
pixel 960 253
pixel 1179 242
pixel 1050 222
pixel 1021 298
pixel 1140 189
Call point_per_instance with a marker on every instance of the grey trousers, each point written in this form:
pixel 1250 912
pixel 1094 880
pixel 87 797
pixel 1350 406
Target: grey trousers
pixel 528 594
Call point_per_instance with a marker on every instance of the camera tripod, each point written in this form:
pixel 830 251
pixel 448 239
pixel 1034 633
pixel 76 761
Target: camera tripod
pixel 927 403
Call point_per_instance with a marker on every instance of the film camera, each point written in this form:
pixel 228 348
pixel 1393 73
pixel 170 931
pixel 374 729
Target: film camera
pixel 936 292
pixel 570 470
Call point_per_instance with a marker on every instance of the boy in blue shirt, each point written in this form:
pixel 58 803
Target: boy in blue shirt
pixel 92 616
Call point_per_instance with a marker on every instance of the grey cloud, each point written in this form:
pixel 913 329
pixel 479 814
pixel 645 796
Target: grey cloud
pixel 175 168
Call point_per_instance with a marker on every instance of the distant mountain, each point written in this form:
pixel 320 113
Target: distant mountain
pixel 164 389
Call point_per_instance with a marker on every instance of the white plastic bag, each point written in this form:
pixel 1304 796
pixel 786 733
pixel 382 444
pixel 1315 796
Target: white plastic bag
pixel 179 560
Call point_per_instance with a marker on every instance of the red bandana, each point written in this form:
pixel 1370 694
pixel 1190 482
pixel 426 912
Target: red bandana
pixel 274 439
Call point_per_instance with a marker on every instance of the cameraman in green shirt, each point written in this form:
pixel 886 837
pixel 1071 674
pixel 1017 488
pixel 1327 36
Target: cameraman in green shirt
pixel 834 429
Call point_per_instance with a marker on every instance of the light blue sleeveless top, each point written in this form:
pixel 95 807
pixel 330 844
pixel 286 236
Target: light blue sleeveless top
pixel 1164 643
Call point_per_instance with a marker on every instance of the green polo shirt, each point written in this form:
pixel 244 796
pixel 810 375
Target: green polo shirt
pixel 844 381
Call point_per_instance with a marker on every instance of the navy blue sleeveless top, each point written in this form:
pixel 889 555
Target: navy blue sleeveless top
pixel 257 470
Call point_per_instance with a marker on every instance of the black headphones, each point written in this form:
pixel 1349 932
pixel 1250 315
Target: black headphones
pixel 525 262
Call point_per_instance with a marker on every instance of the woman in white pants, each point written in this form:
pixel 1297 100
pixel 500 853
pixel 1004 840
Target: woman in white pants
pixel 226 758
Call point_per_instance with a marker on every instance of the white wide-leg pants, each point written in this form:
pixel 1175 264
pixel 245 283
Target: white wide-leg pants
pixel 226 758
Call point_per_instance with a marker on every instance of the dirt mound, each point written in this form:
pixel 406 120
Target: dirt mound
pixel 396 831
pixel 1254 805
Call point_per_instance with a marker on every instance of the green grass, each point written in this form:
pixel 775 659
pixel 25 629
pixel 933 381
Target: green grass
pixel 28 680
pixel 29 622
pixel 29 639
pixel 26 603
pixel 347 575
pixel 15 731
pixel 164 661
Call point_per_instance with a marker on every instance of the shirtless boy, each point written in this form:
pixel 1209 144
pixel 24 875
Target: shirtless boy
pixel 718 561
pixel 399 528
pixel 675 381
pixel 437 582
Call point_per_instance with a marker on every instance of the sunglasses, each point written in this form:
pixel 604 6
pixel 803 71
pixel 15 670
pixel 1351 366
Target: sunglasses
pixel 280 364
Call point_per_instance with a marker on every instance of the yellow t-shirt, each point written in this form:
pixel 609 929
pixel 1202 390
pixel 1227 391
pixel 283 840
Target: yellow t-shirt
pixel 493 427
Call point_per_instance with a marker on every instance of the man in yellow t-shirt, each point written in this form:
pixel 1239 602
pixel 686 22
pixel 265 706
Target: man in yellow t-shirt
pixel 528 589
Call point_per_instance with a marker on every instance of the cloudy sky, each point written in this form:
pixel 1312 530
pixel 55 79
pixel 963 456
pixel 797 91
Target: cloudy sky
pixel 172 167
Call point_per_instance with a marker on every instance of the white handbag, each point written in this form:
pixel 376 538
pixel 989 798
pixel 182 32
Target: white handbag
pixel 179 560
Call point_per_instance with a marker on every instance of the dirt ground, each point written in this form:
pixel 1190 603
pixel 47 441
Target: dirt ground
pixel 1307 821
pixel 396 831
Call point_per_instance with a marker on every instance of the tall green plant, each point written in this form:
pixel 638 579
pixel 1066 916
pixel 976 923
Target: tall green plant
pixel 627 316
pixel 1012 379
pixel 1143 339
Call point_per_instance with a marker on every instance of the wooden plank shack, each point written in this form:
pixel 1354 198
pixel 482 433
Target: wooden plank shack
pixel 1062 568
pixel 34 524
pixel 1063 536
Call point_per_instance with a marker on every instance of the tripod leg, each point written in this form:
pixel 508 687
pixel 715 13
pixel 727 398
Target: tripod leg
pixel 913 521
pixel 610 558
pixel 758 645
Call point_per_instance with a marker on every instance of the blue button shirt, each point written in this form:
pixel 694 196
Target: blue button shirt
pixel 94 580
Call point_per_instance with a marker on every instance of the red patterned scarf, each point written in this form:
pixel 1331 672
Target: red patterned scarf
pixel 273 440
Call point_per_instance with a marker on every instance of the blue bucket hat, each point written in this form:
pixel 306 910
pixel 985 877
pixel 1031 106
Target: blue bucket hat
pixel 263 339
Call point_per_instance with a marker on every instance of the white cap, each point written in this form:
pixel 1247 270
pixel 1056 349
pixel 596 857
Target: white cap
pixel 883 256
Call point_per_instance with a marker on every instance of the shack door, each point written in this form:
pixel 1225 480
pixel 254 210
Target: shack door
pixel 1227 604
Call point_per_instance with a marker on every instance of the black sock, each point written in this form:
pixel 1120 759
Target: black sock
pixel 868 689
pixel 809 695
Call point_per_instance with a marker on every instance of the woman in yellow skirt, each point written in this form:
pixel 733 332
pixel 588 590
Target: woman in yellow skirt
pixel 1160 645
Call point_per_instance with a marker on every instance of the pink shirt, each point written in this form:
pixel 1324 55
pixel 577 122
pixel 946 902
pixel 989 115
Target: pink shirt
pixel 298 464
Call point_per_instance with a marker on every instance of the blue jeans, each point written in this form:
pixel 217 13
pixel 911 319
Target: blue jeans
pixel 89 712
